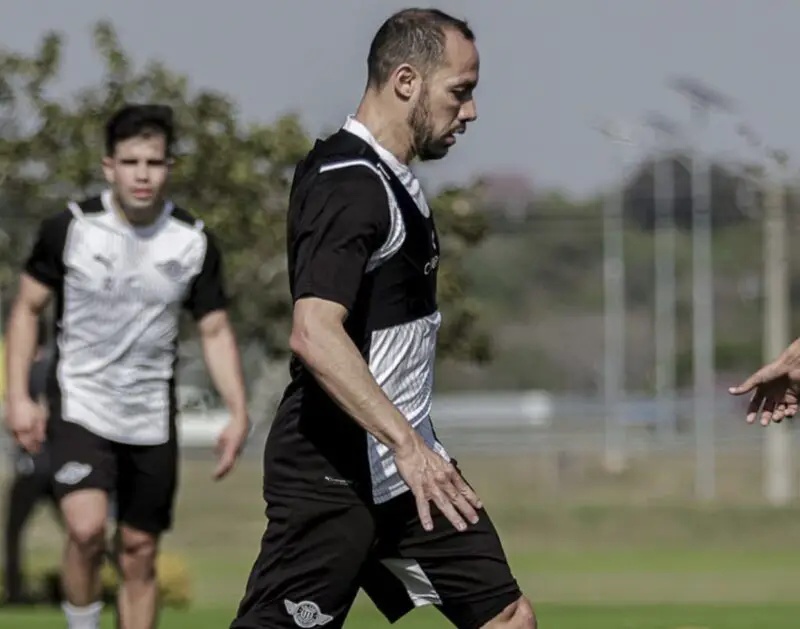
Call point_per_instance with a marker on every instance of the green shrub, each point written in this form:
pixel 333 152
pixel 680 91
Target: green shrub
pixel 174 583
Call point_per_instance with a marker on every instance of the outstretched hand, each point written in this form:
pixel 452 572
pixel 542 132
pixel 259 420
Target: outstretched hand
pixel 774 388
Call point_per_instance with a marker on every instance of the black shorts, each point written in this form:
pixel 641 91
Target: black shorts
pixel 142 479
pixel 316 555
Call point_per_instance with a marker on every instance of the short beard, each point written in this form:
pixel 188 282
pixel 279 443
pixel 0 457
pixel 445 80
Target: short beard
pixel 425 145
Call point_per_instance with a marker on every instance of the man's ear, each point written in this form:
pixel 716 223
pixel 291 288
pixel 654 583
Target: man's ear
pixel 108 168
pixel 405 81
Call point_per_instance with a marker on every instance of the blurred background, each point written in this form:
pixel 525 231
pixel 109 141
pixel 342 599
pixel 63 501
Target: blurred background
pixel 617 227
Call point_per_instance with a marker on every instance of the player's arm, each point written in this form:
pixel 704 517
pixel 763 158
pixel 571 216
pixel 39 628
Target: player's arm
pixel 342 224
pixel 41 276
pixel 22 335
pixel 321 342
pixel 207 301
pixel 221 355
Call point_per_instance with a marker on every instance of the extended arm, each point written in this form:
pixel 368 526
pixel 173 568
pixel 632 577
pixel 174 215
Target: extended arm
pixel 208 301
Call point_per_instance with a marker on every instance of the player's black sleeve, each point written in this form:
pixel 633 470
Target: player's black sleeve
pixel 45 263
pixel 207 291
pixel 344 220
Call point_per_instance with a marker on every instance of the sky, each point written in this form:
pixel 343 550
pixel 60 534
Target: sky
pixel 551 70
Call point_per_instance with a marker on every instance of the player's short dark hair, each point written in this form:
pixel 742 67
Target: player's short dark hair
pixel 414 36
pixel 133 121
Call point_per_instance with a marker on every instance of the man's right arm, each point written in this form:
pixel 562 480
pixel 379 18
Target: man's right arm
pixel 345 219
pixel 321 342
pixel 43 273
pixel 22 333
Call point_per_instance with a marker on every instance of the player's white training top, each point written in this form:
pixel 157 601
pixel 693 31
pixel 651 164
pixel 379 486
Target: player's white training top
pixel 119 293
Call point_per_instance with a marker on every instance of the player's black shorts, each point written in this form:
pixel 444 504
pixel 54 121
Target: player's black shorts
pixel 315 556
pixel 143 479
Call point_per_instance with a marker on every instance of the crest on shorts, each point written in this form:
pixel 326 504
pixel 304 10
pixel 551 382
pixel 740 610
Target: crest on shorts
pixel 73 473
pixel 306 614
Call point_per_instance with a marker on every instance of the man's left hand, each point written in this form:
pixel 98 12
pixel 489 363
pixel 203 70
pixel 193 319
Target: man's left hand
pixel 229 445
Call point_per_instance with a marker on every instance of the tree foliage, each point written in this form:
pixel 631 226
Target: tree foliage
pixel 234 175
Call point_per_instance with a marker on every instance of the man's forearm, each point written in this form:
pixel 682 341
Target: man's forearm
pixel 222 359
pixel 334 361
pixel 21 342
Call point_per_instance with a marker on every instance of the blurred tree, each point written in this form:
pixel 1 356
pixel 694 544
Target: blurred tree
pixel 730 207
pixel 462 226
pixel 234 176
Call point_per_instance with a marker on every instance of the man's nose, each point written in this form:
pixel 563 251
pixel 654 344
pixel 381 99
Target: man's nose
pixel 469 112
pixel 142 173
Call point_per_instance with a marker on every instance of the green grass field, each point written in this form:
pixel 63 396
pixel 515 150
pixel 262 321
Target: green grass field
pixel 627 552
pixel 550 616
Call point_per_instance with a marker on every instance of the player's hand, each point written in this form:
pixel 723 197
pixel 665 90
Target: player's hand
pixel 775 388
pixel 431 478
pixel 26 421
pixel 229 446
